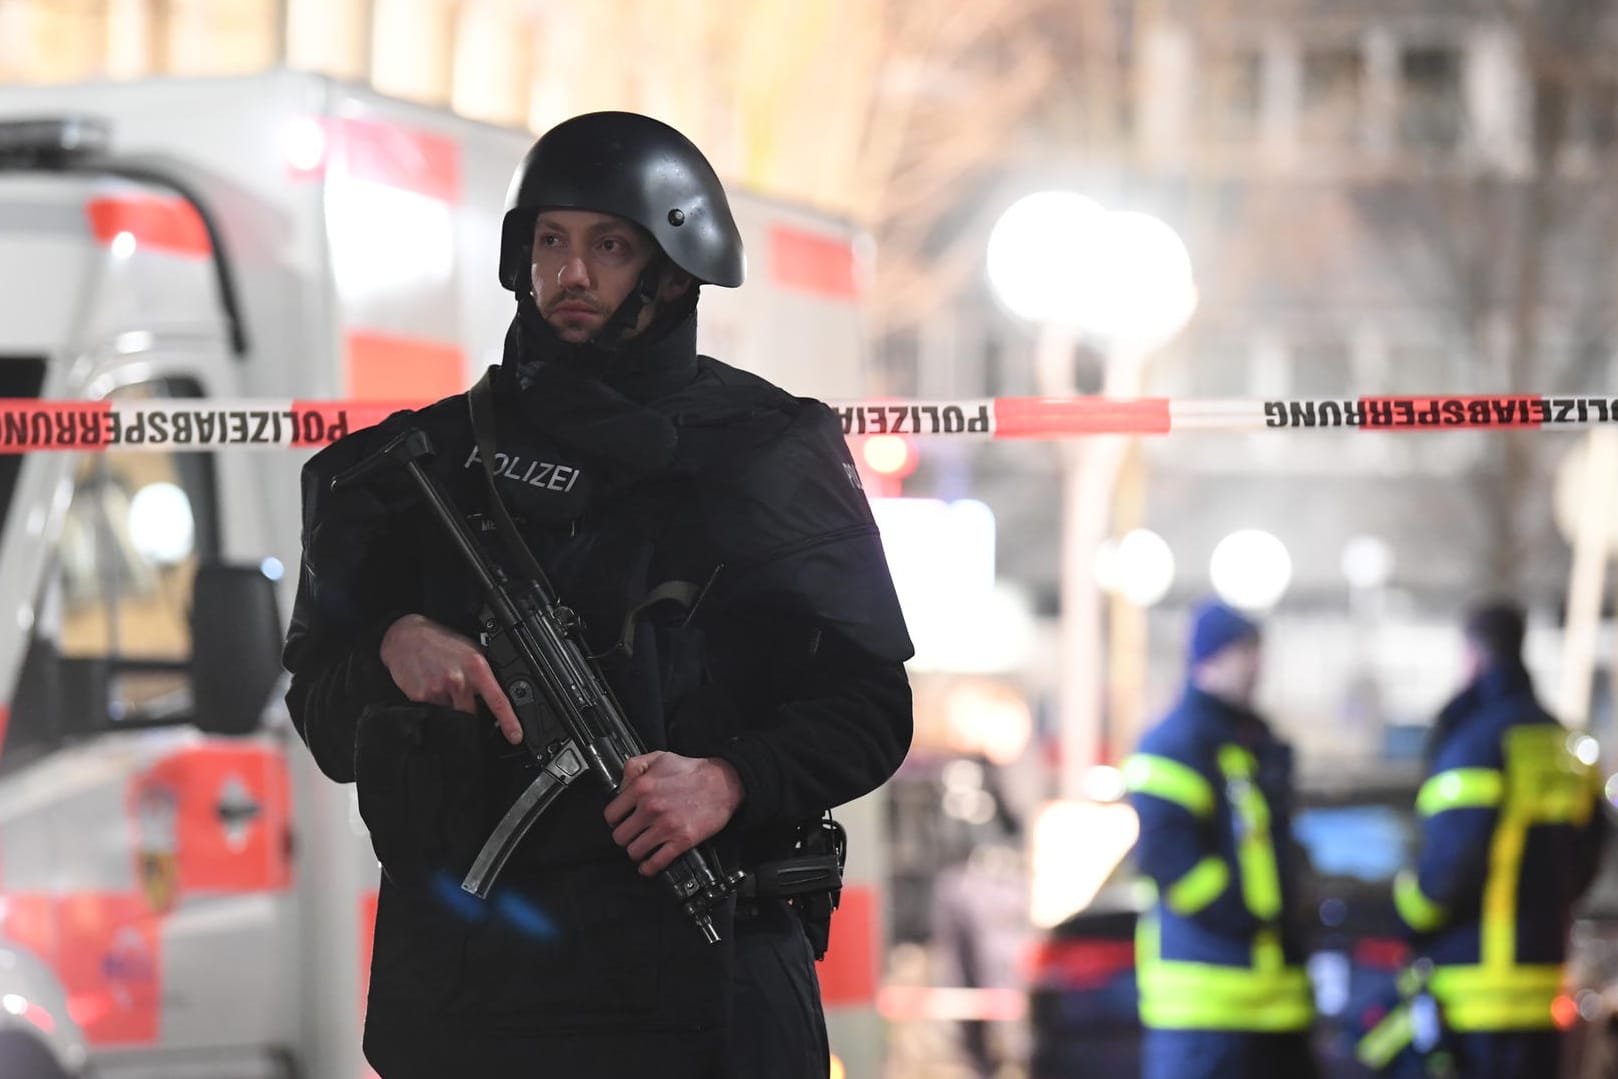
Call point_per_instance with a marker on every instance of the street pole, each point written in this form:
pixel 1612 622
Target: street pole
pixel 1587 576
pixel 1122 278
pixel 1127 639
pixel 1090 471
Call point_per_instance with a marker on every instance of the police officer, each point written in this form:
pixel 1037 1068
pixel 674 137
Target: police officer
pixel 1222 989
pixel 710 530
pixel 1511 832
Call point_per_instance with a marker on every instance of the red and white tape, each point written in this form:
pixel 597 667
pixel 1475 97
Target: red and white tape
pixel 192 424
pixel 912 1003
pixel 28 425
pixel 1061 417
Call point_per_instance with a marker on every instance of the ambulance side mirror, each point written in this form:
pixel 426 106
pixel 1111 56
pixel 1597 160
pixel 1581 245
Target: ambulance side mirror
pixel 235 647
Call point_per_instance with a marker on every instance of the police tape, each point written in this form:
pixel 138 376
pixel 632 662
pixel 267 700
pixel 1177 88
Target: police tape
pixel 200 423
pixel 932 1003
pixel 1061 417
pixel 28 425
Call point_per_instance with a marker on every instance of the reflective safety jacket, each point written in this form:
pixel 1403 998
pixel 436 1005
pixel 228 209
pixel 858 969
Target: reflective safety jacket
pixel 1211 786
pixel 1511 832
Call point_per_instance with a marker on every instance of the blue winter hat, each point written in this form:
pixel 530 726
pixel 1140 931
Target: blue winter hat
pixel 1216 626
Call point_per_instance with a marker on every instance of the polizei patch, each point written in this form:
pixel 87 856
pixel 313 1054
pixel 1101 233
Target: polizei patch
pixel 546 475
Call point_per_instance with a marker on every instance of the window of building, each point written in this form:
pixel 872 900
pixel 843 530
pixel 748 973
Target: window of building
pixel 1321 367
pixel 1222 367
pixel 1332 107
pixel 993 361
pixel 898 355
pixel 1593 115
pixel 1432 108
pixel 1234 95
pixel 1416 369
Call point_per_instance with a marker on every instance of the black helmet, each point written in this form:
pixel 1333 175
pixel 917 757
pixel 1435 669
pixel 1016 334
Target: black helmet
pixel 633 167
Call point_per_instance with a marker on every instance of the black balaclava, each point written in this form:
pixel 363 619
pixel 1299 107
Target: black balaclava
pixel 592 395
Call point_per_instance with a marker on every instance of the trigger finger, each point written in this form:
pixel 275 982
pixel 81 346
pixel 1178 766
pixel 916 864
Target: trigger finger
pixel 488 687
pixel 510 726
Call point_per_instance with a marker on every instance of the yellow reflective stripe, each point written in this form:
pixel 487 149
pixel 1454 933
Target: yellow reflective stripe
pixel 1201 885
pixel 1201 996
pixel 1176 995
pixel 1461 788
pixel 1544 781
pixel 1161 777
pixel 1481 998
pixel 1255 854
pixel 1387 1039
pixel 1498 948
pixel 1267 952
pixel 1418 912
pixel 1548 776
pixel 1236 762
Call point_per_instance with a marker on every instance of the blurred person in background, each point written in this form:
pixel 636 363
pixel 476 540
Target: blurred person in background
pixel 767 695
pixel 980 928
pixel 1223 990
pixel 1511 834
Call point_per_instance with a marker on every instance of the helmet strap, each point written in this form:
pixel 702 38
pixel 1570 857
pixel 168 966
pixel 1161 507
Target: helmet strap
pixel 628 313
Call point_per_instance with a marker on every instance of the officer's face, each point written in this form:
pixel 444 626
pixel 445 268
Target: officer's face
pixel 1247 663
pixel 1233 672
pixel 585 265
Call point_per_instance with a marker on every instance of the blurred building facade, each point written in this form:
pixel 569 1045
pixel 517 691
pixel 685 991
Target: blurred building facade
pixel 1387 198
pixel 1379 199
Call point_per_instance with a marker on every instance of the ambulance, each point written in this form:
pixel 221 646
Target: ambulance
pixel 201 281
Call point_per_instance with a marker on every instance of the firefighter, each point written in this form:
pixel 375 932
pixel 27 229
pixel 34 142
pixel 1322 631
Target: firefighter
pixel 1223 991
pixel 1511 834
pixel 710 530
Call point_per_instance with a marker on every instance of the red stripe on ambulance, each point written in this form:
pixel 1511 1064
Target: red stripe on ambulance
pixel 104 948
pixel 812 262
pixel 407 158
pixel 168 224
pixel 384 367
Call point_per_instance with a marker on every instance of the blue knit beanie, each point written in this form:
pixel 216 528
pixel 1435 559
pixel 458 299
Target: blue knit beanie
pixel 1216 626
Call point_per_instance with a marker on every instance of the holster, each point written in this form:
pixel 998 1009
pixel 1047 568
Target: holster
pixel 811 880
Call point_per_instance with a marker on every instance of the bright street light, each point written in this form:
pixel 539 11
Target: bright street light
pixel 1140 291
pixel 1120 278
pixel 1250 569
pixel 1037 255
pixel 1139 567
pixel 1367 562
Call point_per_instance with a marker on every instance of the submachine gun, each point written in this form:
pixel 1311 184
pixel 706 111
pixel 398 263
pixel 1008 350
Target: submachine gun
pixel 571 722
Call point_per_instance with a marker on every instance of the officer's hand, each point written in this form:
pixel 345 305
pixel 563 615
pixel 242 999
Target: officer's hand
pixel 669 803
pixel 434 665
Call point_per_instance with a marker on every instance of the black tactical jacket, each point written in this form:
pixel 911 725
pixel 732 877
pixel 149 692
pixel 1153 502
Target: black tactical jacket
pixel 790 667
